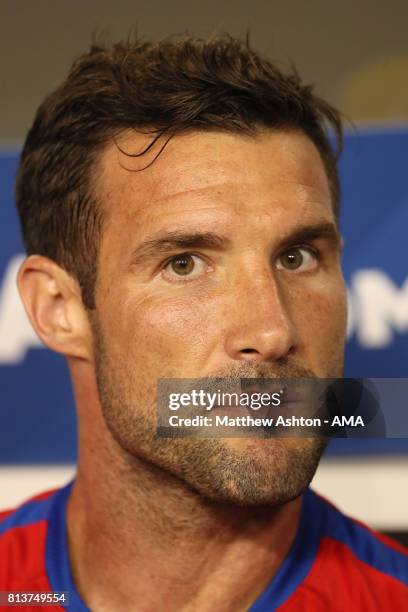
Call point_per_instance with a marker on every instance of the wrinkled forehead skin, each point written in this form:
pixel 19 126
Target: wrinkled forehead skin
pixel 208 174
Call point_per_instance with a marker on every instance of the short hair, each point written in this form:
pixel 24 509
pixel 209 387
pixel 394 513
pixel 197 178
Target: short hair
pixel 168 87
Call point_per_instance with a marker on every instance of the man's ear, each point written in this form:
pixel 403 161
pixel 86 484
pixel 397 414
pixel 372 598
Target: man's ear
pixel 52 300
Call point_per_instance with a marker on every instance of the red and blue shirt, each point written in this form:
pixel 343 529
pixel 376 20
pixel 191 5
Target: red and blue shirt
pixel 335 562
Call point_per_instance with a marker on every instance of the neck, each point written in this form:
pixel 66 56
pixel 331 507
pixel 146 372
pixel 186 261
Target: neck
pixel 136 533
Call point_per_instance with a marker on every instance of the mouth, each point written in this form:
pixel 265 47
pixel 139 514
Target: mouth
pixel 289 391
pixel 297 397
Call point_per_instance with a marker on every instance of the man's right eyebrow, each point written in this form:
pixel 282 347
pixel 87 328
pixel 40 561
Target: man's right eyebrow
pixel 178 240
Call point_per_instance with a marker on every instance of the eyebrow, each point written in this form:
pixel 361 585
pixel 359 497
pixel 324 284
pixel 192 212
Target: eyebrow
pixel 323 231
pixel 180 240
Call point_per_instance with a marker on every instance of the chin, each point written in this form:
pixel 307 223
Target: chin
pixel 251 472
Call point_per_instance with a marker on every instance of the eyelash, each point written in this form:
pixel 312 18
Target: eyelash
pixel 307 247
pixel 179 255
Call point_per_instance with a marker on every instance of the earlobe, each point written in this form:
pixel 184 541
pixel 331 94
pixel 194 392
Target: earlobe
pixel 52 300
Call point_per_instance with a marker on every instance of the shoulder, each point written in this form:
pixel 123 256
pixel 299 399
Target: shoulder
pixel 23 535
pixel 364 543
pixel 355 559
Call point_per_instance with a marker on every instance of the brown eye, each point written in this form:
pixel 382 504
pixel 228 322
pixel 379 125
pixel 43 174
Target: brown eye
pixel 182 265
pixel 292 259
pixel 298 259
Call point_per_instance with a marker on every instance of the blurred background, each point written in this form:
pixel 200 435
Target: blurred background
pixel 356 54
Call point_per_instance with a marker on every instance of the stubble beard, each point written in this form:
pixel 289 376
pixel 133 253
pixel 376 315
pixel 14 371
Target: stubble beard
pixel 246 473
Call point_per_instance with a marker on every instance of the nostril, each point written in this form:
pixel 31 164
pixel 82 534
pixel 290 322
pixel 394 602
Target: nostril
pixel 248 350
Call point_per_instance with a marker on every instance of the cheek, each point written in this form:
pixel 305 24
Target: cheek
pixel 162 334
pixel 320 316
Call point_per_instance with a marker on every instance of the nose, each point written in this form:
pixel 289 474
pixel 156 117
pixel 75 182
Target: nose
pixel 259 325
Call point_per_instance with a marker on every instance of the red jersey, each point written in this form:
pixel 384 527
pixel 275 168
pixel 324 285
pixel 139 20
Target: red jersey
pixel 335 563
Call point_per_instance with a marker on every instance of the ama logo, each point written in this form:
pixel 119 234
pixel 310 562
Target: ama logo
pixel 378 308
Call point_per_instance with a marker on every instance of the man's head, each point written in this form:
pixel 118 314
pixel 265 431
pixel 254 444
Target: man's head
pixel 160 89
pixel 186 194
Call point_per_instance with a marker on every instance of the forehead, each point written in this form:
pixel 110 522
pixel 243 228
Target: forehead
pixel 200 170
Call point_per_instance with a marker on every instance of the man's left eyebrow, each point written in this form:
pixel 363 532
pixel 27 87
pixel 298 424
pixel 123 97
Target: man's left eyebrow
pixel 178 240
pixel 323 231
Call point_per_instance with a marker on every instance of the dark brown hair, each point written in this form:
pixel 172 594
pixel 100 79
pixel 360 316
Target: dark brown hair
pixel 167 87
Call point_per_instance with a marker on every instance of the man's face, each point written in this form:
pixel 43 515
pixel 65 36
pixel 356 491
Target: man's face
pixel 219 259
